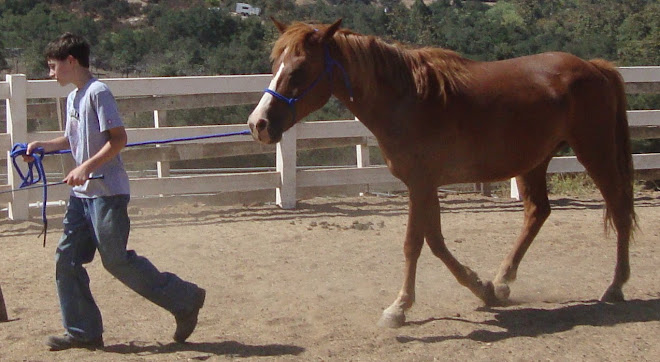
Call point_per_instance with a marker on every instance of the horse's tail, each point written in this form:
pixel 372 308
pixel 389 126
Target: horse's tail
pixel 622 141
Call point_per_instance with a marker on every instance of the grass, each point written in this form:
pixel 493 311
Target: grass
pixel 576 185
pixel 571 184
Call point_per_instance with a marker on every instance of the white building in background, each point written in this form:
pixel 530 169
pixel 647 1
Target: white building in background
pixel 247 9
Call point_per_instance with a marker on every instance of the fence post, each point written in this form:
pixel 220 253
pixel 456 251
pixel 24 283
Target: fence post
pixel 160 120
pixel 60 105
pixel 514 189
pixel 3 308
pixel 67 163
pixel 17 129
pixel 362 151
pixel 362 155
pixel 483 188
pixel 285 164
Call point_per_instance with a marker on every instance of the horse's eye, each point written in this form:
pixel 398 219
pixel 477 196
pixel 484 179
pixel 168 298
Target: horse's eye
pixel 297 77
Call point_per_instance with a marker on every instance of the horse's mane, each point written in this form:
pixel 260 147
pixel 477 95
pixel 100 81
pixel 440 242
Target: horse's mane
pixel 426 72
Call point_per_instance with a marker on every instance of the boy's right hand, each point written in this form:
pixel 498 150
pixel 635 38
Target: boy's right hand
pixel 77 176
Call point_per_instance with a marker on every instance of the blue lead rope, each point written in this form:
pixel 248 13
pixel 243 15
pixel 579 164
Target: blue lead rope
pixel 28 178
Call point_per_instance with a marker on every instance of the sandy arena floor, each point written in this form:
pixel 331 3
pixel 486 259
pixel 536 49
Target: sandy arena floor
pixel 310 284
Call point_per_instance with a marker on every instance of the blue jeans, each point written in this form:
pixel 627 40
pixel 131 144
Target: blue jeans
pixel 102 223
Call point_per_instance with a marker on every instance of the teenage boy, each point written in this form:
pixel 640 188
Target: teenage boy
pixel 96 216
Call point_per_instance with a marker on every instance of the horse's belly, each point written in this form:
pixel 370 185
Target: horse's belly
pixel 476 153
pixel 495 164
pixel 452 168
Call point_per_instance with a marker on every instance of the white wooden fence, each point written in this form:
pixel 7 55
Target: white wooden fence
pixel 162 94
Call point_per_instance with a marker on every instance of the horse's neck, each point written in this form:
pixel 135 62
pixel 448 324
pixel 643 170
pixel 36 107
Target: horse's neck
pixel 372 108
pixel 365 107
pixel 387 81
pixel 374 86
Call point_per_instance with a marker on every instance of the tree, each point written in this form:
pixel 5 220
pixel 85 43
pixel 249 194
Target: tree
pixel 38 26
pixel 421 28
pixel 17 7
pixel 209 27
pixel 638 37
pixel 122 51
pixel 3 58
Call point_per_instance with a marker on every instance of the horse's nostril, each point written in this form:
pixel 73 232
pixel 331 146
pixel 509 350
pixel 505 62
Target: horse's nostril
pixel 261 124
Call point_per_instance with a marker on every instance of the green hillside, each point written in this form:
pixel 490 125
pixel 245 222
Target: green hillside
pixel 194 37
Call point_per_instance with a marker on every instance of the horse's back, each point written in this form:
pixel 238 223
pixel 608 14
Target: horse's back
pixel 551 89
pixel 534 78
pixel 513 114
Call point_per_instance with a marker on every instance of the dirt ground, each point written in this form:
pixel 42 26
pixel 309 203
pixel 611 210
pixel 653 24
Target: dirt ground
pixel 310 284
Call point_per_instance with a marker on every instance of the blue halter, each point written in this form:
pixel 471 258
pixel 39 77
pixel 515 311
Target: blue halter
pixel 329 64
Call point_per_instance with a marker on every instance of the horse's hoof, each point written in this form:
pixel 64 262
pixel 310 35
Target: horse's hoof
pixel 489 297
pixel 502 292
pixel 389 320
pixel 613 295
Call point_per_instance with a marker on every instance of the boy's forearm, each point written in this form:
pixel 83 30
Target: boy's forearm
pixel 56 144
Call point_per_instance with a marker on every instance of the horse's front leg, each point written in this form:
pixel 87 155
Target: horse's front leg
pixel 394 316
pixel 464 275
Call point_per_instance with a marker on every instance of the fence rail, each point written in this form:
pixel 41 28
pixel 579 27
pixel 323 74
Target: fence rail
pixel 158 95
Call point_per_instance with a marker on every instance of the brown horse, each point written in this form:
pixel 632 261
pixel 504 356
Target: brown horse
pixel 442 119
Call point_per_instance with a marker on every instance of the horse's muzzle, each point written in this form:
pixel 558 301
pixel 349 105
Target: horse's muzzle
pixel 260 131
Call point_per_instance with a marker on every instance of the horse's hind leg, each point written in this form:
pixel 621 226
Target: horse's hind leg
pixel 534 194
pixel 614 292
pixel 616 188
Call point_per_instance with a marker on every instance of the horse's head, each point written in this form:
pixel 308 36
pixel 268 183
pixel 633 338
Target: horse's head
pixel 301 84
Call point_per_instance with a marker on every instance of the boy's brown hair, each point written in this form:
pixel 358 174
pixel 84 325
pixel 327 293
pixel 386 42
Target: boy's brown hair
pixel 69 44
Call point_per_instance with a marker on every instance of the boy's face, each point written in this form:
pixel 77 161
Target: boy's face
pixel 61 70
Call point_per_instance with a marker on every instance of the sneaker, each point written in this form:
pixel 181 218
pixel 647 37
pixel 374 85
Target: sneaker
pixel 59 343
pixel 187 321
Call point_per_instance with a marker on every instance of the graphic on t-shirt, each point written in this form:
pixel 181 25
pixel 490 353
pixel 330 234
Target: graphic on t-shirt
pixel 74 121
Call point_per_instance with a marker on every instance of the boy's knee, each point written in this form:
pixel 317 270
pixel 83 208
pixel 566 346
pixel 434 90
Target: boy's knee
pixel 67 267
pixel 64 257
pixel 112 264
pixel 115 262
pixel 63 262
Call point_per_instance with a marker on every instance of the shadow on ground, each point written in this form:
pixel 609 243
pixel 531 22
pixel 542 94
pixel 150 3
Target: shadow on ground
pixel 209 349
pixel 534 322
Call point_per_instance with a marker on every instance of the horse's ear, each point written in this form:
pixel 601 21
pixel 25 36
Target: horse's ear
pixel 280 26
pixel 330 31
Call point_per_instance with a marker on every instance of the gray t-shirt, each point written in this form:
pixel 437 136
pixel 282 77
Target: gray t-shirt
pixel 92 110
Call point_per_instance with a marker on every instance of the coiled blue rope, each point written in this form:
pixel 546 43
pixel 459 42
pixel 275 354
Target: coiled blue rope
pixel 28 178
pixel 36 166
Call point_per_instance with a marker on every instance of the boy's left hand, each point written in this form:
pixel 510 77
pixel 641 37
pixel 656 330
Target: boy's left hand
pixel 27 157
